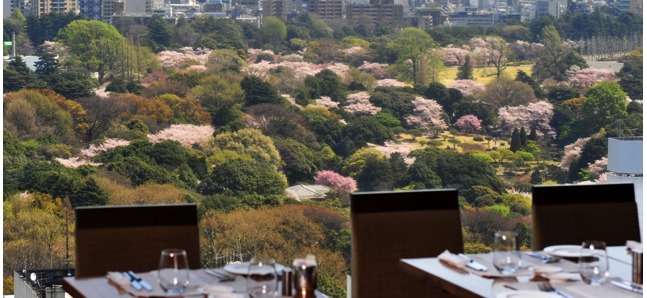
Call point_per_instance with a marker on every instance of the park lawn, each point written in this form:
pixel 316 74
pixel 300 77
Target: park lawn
pixel 448 75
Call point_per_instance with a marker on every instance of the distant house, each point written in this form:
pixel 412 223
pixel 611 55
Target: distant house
pixel 308 192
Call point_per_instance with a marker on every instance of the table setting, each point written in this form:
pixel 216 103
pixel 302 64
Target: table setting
pixel 566 271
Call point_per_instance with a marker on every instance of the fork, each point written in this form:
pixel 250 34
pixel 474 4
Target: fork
pixel 547 287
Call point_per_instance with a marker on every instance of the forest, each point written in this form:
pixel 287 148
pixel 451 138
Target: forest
pixel 228 115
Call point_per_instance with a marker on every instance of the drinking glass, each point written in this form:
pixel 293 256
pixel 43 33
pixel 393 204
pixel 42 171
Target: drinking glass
pixel 593 264
pixel 173 274
pixel 505 253
pixel 262 279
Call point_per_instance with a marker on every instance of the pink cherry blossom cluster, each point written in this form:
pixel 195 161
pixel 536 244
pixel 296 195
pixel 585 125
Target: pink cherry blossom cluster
pixel 478 42
pixel 391 147
pixel 524 50
pixel 598 167
pixel 587 77
pixel 390 83
pixel 325 102
pixel 535 114
pixel 336 181
pixel 173 59
pixel 301 69
pixel 467 87
pixel 157 75
pixel 468 123
pixel 572 152
pixel 379 71
pixel 454 56
pixel 102 93
pixel 186 134
pixel 196 68
pixel 353 50
pixel 426 114
pixel 253 54
pixel 75 162
pixel 359 104
pixel 108 144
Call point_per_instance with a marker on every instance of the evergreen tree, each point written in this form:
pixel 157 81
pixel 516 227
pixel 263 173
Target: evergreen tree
pixel 465 71
pixel 533 134
pixel 159 32
pixel 523 77
pixel 523 137
pixel 515 142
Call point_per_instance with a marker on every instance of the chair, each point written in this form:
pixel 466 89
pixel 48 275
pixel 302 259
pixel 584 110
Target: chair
pixel 570 214
pixel 388 226
pixel 120 238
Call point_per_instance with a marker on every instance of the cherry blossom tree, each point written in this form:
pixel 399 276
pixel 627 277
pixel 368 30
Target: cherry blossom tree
pixel 325 102
pixel 359 104
pixel 535 115
pixel 584 78
pixel 175 59
pixel 108 144
pixel 572 152
pixel 391 147
pixel 598 167
pixel 379 71
pixel 426 115
pixel 75 162
pixel 454 56
pixel 467 87
pixel 390 83
pixel 468 123
pixel 336 181
pixel 186 134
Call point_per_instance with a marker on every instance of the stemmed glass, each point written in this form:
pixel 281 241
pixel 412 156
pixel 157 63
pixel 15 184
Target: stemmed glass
pixel 593 264
pixel 505 253
pixel 262 278
pixel 173 274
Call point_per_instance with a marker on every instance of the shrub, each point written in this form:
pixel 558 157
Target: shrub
pixel 478 139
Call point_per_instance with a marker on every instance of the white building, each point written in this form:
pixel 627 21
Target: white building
pixel 625 165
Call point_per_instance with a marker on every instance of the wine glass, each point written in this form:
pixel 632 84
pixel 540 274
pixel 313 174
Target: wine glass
pixel 173 274
pixel 505 253
pixel 593 264
pixel 262 278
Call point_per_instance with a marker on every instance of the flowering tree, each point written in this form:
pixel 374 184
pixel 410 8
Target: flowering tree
pixel 468 123
pixel 454 56
pixel 75 162
pixel 533 115
pixel 379 71
pixel 336 181
pixel 359 104
pixel 325 102
pixel 390 83
pixel 426 115
pixel 598 167
pixel 467 87
pixel 572 152
pixel 391 147
pixel 95 150
pixel 173 59
pixel 186 134
pixel 584 78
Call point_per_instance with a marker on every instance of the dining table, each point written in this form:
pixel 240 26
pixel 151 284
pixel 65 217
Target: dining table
pixel 470 283
pixel 199 286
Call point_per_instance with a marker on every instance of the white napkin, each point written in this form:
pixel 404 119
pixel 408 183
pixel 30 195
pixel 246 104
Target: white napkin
pixel 452 259
pixel 635 246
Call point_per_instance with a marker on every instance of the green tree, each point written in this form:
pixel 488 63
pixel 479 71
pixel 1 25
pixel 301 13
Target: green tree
pixel 523 137
pixel 523 77
pixel 631 74
pixel 605 103
pixel 273 32
pixel 557 58
pixel 93 44
pixel 412 44
pixel 301 162
pixel 159 32
pixel 257 91
pixel 466 70
pixel 515 141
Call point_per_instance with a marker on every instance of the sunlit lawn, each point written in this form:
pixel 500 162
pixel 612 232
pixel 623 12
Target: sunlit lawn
pixel 480 74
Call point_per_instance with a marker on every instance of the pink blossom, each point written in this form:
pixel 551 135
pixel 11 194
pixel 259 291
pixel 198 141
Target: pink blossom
pixel 587 77
pixel 102 93
pixel 390 83
pixel 468 123
pixel 301 69
pixel 392 147
pixel 467 87
pixel 174 59
pixel 157 75
pixel 325 102
pixel 533 115
pixel 75 162
pixel 290 99
pixel 598 167
pixel 572 152
pixel 379 71
pixel 454 56
pixel 359 104
pixel 186 134
pixel 196 68
pixel 253 54
pixel 426 114
pixel 336 181
pixel 108 144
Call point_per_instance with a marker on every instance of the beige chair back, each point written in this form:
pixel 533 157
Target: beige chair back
pixel 389 226
pixel 121 238
pixel 571 214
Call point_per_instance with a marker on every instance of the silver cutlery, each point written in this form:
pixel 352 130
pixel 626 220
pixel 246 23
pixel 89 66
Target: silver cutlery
pixel 626 286
pixel 544 258
pixel 473 264
pixel 548 288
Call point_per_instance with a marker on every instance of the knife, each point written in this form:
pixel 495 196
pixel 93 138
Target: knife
pixel 544 258
pixel 139 280
pixel 473 264
pixel 626 286
pixel 133 282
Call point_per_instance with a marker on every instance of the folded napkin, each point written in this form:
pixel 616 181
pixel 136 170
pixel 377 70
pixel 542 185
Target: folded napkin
pixel 452 259
pixel 119 281
pixel 635 246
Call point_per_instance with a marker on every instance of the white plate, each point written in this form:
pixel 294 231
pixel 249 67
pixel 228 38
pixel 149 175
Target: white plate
pixel 525 294
pixel 243 268
pixel 562 276
pixel 226 295
pixel 215 289
pixel 546 269
pixel 565 251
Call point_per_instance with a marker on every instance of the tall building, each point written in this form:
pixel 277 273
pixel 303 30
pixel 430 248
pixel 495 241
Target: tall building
pixel 383 11
pixel 274 8
pixel 40 7
pixel 329 9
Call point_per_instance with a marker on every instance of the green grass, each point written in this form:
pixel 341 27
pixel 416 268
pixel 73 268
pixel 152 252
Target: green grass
pixel 449 74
